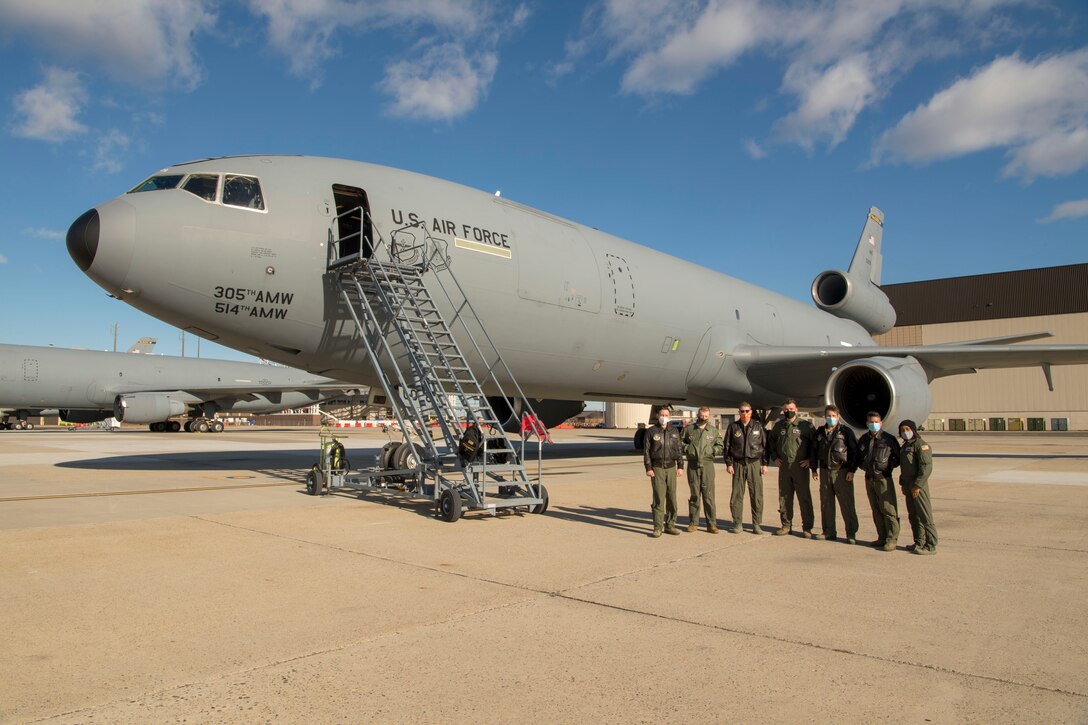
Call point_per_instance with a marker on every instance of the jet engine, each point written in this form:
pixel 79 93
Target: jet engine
pixel 863 302
pixel 84 416
pixel 550 412
pixel 147 407
pixel 897 388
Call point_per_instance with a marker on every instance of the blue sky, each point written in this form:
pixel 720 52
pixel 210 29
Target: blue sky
pixel 750 137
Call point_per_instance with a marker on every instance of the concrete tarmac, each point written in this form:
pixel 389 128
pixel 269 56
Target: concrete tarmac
pixel 184 577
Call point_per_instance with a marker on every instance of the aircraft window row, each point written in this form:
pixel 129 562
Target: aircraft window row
pixel 206 186
pixel 157 183
pixel 239 191
pixel 244 191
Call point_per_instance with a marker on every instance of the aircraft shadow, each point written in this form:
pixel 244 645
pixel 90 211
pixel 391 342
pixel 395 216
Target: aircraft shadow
pixel 560 451
pixel 286 465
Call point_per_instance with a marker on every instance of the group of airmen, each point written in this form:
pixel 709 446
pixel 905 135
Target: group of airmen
pixel 830 454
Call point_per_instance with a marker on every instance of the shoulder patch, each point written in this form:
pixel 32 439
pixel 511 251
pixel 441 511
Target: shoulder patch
pixel 925 447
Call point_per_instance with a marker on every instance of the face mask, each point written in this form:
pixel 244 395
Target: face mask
pixel 874 427
pixel 663 420
pixel 791 414
pixel 907 434
pixel 831 421
pixel 703 420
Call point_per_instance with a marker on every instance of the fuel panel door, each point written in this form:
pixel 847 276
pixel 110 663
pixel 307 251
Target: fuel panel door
pixel 555 263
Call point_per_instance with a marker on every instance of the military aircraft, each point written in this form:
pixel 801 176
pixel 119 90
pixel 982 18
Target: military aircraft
pixel 86 386
pixel 144 346
pixel 238 250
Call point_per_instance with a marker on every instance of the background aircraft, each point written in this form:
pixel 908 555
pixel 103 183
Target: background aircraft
pixel 236 250
pixel 88 386
pixel 144 346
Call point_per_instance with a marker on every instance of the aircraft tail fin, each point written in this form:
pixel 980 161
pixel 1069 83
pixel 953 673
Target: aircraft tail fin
pixel 144 345
pixel 867 259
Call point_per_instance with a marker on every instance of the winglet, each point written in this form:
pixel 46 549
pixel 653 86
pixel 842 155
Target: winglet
pixel 867 260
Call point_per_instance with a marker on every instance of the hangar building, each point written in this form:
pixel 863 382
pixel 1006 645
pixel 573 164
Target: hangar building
pixel 1051 299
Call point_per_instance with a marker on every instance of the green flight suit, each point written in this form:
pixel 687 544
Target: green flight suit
pixel 791 443
pixel 915 465
pixel 877 456
pixel 746 451
pixel 701 446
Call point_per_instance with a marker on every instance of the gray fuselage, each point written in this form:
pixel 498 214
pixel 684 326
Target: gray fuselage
pixel 36 378
pixel 577 313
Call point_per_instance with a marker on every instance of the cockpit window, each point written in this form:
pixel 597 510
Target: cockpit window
pixel 203 185
pixel 244 191
pixel 162 181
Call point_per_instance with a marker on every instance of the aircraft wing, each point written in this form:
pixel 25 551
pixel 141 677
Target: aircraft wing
pixel 937 360
pixel 250 392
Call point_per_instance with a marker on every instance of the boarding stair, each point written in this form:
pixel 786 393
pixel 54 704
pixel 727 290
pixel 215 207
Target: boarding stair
pixel 416 324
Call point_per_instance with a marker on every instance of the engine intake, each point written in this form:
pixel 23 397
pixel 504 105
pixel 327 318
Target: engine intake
pixel 864 303
pixel 147 407
pixel 897 388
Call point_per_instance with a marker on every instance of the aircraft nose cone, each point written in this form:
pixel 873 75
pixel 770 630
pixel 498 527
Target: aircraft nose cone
pixel 83 239
pixel 102 243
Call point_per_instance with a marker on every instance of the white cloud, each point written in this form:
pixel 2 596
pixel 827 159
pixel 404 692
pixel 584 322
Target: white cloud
pixel 754 149
pixel 842 56
pixel 153 118
pixel 43 233
pixel 48 111
pixel 1067 210
pixel 443 84
pixel 3 259
pixel 1037 110
pixel 715 39
pixel 109 147
pixel 830 101
pixel 437 79
pixel 1057 152
pixel 133 40
pixel 303 31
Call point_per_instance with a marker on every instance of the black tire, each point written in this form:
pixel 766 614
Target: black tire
pixel 28 426
pixel 640 438
pixel 201 426
pixel 217 426
pixel 174 426
pixel 386 454
pixel 449 506
pixel 404 457
pixel 315 485
pixel 188 426
pixel 543 506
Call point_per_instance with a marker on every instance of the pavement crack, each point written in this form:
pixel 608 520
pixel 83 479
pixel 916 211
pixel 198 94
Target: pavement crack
pixel 1014 545
pixel 823 647
pixel 567 595
pixel 378 557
